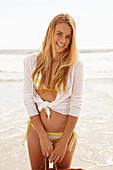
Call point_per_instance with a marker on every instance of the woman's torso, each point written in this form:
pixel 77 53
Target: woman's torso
pixel 57 121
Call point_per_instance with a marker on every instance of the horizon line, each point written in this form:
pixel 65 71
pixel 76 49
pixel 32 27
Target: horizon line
pixel 81 49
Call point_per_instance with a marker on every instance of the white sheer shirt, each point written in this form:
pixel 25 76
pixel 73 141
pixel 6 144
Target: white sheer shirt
pixel 66 104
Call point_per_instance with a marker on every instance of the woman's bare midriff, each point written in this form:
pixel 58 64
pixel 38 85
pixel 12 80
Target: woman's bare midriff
pixel 57 121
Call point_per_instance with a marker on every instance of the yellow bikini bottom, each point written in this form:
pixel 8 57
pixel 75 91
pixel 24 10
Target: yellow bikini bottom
pixel 53 136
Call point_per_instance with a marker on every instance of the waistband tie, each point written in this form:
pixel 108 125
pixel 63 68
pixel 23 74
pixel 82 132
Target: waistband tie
pixel 44 105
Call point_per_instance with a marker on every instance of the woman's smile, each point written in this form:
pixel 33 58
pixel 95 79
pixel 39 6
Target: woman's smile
pixel 60 45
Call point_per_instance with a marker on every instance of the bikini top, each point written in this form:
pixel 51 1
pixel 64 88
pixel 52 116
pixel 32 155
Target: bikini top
pixel 37 81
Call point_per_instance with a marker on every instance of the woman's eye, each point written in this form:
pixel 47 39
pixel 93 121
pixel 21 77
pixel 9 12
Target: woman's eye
pixel 59 33
pixel 68 37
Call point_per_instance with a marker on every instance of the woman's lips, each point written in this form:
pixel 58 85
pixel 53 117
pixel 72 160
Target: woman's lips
pixel 60 45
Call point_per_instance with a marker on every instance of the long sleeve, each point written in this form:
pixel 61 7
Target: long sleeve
pixel 78 85
pixel 28 87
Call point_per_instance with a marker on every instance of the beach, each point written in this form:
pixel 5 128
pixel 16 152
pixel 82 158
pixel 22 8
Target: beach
pixel 94 149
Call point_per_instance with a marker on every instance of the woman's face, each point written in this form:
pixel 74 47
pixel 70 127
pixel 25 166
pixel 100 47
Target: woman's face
pixel 62 37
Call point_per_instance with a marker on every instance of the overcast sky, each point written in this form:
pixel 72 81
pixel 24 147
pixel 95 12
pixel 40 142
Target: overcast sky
pixel 23 23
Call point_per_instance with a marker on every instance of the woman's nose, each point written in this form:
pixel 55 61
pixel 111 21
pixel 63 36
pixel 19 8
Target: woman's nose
pixel 63 40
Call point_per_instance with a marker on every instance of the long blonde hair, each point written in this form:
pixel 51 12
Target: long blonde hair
pixel 66 59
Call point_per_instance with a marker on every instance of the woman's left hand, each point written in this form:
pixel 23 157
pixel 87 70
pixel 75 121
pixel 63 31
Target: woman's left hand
pixel 60 148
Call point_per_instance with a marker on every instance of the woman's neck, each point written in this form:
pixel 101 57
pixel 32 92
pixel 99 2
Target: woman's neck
pixel 55 58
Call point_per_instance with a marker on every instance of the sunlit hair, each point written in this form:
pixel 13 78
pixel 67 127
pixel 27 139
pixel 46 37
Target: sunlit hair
pixel 66 58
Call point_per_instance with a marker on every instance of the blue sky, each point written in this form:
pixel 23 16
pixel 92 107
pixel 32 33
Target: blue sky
pixel 23 23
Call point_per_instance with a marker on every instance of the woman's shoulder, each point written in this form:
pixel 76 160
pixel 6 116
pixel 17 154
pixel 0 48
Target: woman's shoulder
pixel 31 58
pixel 79 64
pixel 30 62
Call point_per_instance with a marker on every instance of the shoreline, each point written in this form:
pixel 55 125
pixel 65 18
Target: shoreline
pixel 87 165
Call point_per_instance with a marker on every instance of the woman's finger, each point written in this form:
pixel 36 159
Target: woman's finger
pixel 54 157
pixel 43 152
pixel 51 152
pixel 61 158
pixel 56 160
pixel 51 156
pixel 47 154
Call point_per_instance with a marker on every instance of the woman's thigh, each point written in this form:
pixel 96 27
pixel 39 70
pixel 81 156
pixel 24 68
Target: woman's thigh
pixel 34 149
pixel 66 162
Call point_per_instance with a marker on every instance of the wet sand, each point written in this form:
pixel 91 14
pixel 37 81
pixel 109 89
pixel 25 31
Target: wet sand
pixel 88 166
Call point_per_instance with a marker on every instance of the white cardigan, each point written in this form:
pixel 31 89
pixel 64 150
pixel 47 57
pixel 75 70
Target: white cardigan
pixel 66 104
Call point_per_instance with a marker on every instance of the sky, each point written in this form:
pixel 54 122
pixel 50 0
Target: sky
pixel 23 23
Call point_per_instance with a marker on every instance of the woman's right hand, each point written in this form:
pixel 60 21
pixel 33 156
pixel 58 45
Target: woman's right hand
pixel 46 146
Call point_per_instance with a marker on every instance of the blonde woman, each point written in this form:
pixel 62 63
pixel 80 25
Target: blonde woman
pixel 53 92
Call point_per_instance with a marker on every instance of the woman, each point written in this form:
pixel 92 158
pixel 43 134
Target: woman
pixel 53 90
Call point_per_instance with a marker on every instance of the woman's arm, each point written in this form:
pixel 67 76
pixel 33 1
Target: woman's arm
pixel 31 108
pixel 61 144
pixel 76 100
pixel 29 102
pixel 45 143
pixel 75 108
pixel 70 125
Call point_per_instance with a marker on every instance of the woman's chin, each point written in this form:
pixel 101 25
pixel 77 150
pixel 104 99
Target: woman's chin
pixel 59 49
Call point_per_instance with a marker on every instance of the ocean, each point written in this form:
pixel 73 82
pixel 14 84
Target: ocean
pixel 94 127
